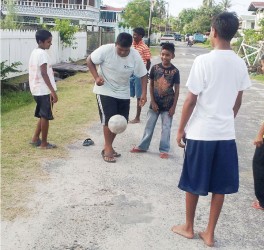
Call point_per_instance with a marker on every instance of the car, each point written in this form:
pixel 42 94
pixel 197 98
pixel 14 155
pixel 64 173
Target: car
pixel 198 38
pixel 177 37
pixel 167 38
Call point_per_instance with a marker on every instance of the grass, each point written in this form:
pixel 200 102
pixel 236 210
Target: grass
pixel 259 78
pixel 21 163
pixel 155 51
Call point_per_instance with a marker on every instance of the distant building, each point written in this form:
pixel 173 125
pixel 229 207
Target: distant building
pixel 33 12
pixel 258 11
pixel 247 22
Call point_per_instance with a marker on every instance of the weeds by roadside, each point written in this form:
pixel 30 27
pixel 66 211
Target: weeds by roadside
pixel 21 163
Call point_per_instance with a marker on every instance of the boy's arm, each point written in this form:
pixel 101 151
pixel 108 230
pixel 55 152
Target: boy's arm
pixel 238 103
pixel 144 85
pixel 259 139
pixel 98 79
pixel 187 110
pixel 175 100
pixel 154 105
pixel 44 74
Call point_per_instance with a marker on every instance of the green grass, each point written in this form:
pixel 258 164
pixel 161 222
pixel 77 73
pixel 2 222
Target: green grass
pixel 15 99
pixel 259 78
pixel 155 51
pixel 21 163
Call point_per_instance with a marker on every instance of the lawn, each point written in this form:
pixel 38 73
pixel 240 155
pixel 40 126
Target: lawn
pixel 20 162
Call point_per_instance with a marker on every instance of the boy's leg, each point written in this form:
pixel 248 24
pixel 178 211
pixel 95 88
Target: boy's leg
pixel 186 230
pixel 138 93
pixel 258 174
pixel 109 139
pixel 215 210
pixel 44 123
pixel 37 132
pixel 149 129
pixel 166 120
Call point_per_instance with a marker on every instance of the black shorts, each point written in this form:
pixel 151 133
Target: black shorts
pixel 109 106
pixel 44 107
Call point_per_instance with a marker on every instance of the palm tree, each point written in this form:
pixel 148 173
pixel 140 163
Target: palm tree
pixel 226 4
pixel 208 3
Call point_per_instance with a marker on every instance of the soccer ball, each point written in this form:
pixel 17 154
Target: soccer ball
pixel 117 124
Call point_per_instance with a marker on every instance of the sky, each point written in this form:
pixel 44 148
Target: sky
pixel 176 6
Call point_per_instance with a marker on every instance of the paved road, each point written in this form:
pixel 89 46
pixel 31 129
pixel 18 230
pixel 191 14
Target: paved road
pixel 132 204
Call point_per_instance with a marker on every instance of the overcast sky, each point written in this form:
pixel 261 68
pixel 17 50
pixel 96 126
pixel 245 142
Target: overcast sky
pixel 175 6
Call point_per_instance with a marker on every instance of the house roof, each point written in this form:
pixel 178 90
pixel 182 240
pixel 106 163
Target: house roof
pixel 255 6
pixel 110 8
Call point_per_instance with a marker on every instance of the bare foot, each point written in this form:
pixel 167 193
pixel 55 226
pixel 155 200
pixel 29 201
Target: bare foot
pixel 208 240
pixel 164 155
pixel 183 231
pixel 134 121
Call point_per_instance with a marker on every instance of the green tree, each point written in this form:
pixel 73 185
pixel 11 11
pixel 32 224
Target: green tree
pixel 66 31
pixel 137 13
pixel 10 21
pixel 226 4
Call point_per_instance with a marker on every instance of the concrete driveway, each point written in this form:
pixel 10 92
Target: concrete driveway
pixel 132 204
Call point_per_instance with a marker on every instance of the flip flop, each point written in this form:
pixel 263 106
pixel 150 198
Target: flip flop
pixel 36 143
pixel 88 142
pixel 106 158
pixel 137 150
pixel 49 146
pixel 115 154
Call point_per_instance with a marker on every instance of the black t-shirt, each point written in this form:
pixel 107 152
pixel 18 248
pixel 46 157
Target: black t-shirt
pixel 164 81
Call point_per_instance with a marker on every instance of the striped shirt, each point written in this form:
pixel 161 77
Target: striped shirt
pixel 143 50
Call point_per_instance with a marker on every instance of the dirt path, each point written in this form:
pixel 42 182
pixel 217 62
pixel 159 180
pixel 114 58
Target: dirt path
pixel 132 204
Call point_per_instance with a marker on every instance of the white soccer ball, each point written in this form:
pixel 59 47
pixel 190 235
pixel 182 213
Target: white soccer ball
pixel 117 124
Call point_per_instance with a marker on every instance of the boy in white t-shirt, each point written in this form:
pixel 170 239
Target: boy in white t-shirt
pixel 117 62
pixel 216 83
pixel 43 88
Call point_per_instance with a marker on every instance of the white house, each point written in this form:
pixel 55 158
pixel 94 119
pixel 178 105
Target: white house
pixel 258 11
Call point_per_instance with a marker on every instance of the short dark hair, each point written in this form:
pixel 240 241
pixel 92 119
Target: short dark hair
pixel 226 25
pixel 262 57
pixel 168 46
pixel 42 35
pixel 124 40
pixel 140 31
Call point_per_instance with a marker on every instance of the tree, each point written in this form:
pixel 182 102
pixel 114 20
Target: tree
pixel 226 4
pixel 137 12
pixel 208 3
pixel 10 21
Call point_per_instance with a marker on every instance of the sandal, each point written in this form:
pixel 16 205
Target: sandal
pixel 49 146
pixel 137 150
pixel 108 158
pixel 88 142
pixel 36 143
pixel 115 154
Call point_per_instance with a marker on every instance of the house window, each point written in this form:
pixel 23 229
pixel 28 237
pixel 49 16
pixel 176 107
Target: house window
pixel 91 3
pixel 252 25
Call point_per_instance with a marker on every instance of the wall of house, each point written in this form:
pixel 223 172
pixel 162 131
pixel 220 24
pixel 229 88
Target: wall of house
pixel 16 46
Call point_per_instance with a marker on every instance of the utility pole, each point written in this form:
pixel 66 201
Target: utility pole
pixel 152 3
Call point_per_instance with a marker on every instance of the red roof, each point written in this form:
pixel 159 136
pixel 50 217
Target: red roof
pixel 110 8
pixel 255 6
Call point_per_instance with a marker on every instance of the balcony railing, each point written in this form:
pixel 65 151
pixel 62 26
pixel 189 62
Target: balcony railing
pixel 54 5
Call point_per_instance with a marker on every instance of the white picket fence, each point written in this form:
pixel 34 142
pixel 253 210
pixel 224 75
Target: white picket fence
pixel 17 45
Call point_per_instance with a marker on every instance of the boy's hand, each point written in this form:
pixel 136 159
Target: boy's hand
pixel 99 81
pixel 171 111
pixel 258 141
pixel 143 100
pixel 54 97
pixel 181 138
pixel 155 106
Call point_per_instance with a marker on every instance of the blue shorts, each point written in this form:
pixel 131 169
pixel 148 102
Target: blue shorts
pixel 135 86
pixel 210 166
